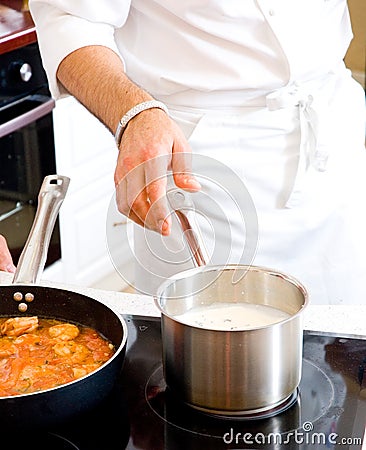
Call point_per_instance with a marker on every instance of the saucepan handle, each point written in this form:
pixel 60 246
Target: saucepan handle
pixel 33 257
pixel 183 207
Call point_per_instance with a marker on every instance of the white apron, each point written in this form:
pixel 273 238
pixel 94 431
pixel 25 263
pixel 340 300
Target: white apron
pixel 301 157
pixel 307 182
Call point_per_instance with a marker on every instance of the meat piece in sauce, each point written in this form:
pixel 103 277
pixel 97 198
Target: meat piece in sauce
pixel 19 325
pixel 71 352
pixel 64 331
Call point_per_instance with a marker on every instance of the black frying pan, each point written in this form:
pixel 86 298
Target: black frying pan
pixel 51 406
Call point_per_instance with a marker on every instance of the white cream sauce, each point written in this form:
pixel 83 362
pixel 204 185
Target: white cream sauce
pixel 232 316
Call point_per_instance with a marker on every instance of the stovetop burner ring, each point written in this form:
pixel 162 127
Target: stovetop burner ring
pixel 254 414
pixel 70 445
pixel 42 441
pixel 291 414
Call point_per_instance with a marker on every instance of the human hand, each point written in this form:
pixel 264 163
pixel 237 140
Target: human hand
pixel 6 261
pixel 151 145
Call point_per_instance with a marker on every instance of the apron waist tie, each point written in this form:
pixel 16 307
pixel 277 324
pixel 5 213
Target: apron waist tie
pixel 314 124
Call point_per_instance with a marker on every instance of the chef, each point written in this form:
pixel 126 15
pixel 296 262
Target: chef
pixel 259 92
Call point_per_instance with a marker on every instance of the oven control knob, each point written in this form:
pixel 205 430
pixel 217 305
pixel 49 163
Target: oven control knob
pixel 25 72
pixel 21 71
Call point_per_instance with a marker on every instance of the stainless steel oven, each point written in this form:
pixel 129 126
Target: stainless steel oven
pixel 27 149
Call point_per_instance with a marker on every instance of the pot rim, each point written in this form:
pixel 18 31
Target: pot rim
pixel 230 267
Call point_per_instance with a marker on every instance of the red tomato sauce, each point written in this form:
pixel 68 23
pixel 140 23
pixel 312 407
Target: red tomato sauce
pixel 38 354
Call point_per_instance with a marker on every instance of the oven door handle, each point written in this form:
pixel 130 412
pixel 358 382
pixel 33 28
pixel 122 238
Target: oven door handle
pixel 46 105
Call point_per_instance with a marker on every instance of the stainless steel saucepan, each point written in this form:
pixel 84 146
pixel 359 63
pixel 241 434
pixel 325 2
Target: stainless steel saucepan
pixel 229 372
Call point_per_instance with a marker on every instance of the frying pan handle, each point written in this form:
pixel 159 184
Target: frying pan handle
pixel 33 257
pixel 184 209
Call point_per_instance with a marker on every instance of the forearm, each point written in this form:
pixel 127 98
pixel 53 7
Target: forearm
pixel 95 76
pixel 150 145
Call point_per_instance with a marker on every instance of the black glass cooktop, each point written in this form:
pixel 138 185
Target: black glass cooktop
pixel 327 412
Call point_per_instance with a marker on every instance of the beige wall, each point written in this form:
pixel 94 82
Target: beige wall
pixel 356 56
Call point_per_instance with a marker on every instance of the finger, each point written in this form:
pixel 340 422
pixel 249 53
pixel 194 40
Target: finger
pixel 132 216
pixel 6 261
pixel 136 194
pixel 158 217
pixel 10 268
pixel 6 266
pixel 129 195
pixel 135 198
pixel 156 179
pixel 182 170
pixel 121 197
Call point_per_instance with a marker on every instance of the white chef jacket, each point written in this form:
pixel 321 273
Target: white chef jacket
pixel 249 82
pixel 231 46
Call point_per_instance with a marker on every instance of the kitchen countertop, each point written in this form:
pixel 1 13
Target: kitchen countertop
pixel 16 26
pixel 340 320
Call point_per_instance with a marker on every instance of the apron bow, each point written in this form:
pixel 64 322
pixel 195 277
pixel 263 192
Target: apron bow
pixel 314 128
